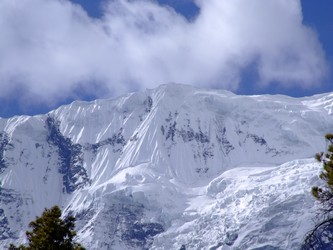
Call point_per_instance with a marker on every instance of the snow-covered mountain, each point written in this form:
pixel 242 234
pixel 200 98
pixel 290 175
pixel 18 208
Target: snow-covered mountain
pixel 170 168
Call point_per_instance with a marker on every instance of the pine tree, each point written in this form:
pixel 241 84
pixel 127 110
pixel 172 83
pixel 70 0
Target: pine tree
pixel 321 236
pixel 324 194
pixel 50 232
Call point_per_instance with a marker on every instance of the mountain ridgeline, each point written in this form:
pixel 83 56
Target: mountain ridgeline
pixel 170 168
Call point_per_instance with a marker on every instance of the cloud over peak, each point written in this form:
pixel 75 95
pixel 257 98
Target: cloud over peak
pixel 52 48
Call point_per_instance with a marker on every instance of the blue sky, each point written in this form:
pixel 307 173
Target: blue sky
pixel 56 51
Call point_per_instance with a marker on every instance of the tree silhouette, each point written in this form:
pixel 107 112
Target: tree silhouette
pixel 51 232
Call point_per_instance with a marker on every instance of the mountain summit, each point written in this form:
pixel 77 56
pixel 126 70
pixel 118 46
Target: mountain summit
pixel 175 167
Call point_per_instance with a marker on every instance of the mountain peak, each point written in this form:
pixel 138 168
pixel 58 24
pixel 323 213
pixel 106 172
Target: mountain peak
pixel 142 170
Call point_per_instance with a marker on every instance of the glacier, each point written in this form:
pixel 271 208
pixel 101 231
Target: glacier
pixel 176 167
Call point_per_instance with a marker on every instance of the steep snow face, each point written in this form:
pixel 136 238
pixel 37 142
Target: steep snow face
pixel 170 168
pixel 247 207
pixel 191 134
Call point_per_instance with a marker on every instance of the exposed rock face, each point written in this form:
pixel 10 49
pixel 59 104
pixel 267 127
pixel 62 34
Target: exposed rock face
pixel 170 168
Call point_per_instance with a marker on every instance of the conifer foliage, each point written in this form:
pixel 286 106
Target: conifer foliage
pixel 321 237
pixel 325 194
pixel 50 232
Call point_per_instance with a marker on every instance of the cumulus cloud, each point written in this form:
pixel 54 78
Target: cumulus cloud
pixel 52 48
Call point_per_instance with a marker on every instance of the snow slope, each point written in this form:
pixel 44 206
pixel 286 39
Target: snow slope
pixel 170 168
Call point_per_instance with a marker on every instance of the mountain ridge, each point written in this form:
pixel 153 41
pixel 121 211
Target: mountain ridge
pixel 141 170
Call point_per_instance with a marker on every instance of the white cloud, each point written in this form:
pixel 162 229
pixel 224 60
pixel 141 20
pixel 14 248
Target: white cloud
pixel 51 48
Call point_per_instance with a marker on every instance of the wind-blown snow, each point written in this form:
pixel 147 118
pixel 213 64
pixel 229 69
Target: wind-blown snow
pixel 170 168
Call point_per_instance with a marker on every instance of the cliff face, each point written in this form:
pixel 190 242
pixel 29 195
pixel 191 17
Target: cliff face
pixel 169 168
